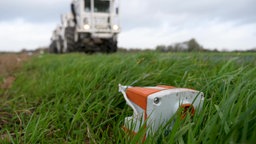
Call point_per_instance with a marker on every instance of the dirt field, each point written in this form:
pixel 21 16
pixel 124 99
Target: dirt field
pixel 9 63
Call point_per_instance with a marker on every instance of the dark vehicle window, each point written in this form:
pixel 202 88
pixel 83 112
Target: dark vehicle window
pixel 101 5
pixel 87 4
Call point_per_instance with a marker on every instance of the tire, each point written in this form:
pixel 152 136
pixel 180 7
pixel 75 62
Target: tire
pixel 108 46
pixel 53 47
pixel 111 46
pixel 70 37
pixel 61 41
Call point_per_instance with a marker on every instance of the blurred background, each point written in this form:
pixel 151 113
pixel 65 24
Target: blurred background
pixel 146 24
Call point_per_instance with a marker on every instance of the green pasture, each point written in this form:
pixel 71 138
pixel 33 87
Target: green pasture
pixel 74 98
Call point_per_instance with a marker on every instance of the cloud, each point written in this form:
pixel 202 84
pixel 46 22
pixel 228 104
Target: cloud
pixel 18 34
pixel 211 35
pixel 218 24
pixel 145 23
pixel 33 10
pixel 147 12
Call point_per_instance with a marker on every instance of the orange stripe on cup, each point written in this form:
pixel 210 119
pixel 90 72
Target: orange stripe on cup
pixel 139 95
pixel 166 87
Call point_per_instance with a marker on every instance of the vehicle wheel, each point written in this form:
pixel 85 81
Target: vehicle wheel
pixel 114 48
pixel 70 34
pixel 53 47
pixel 111 46
pixel 61 41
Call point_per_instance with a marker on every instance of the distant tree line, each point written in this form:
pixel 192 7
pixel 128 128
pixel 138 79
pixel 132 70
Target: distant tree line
pixel 187 46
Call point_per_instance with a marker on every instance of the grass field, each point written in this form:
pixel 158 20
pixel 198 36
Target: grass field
pixel 74 98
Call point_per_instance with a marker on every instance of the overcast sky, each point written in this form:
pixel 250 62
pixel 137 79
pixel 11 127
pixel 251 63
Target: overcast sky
pixel 221 24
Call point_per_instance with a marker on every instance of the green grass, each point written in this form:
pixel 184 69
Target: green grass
pixel 74 98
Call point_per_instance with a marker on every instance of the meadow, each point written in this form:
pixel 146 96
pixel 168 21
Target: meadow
pixel 74 98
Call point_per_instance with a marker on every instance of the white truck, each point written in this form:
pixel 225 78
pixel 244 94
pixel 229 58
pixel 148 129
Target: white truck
pixel 91 26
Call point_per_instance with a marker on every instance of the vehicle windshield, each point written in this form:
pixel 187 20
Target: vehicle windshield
pixel 101 5
pixel 87 4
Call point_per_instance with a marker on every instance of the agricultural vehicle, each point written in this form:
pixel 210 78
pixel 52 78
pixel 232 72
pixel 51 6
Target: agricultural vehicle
pixel 91 26
pixel 154 106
